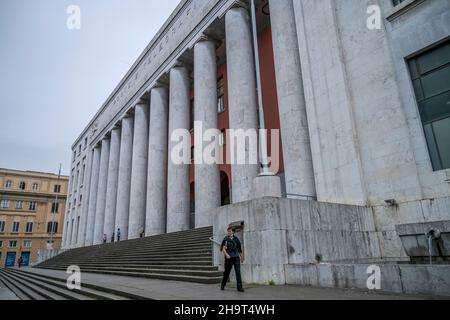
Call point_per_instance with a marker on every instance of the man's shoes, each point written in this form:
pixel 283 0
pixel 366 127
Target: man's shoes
pixel 241 290
pixel 222 288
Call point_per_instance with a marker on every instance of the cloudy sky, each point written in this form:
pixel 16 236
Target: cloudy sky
pixel 53 80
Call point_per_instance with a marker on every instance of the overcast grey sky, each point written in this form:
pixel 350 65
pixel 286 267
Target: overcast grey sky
pixel 53 80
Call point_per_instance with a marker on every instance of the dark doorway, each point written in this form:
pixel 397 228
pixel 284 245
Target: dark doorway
pixel 224 189
pixel 192 206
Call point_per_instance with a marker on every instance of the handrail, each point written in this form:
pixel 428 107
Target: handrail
pixel 214 241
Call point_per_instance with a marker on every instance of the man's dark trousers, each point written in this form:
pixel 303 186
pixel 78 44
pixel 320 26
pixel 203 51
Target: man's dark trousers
pixel 229 263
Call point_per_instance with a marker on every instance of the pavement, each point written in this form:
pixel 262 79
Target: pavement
pixel 175 290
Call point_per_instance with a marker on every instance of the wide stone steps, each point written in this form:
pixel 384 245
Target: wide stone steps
pixel 144 266
pixel 32 286
pixel 200 273
pixel 179 248
pixel 180 256
pixel 127 263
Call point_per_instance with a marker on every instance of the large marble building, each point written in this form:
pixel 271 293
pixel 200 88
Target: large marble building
pixel 364 116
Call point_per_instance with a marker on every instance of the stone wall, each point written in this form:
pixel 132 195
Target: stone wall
pixel 366 134
pixel 279 231
pixel 396 278
pixel 282 238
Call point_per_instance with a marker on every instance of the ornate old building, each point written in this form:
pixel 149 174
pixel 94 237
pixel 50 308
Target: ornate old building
pixel 32 207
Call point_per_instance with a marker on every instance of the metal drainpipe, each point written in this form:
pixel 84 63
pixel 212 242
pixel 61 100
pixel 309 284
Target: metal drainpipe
pixel 263 145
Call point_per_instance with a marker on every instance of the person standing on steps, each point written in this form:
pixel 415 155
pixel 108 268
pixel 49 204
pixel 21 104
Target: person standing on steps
pixel 118 234
pixel 231 248
pixel 104 238
pixel 20 261
pixel 112 237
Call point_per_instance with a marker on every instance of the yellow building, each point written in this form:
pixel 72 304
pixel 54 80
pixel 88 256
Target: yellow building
pixel 32 207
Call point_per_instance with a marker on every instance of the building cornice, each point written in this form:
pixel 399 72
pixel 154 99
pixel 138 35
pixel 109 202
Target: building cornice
pixel 135 65
pixel 31 174
pixel 154 61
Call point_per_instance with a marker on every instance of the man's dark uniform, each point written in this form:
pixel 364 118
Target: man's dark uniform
pixel 233 247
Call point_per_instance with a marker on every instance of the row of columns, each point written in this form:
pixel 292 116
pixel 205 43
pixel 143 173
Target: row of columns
pixel 134 187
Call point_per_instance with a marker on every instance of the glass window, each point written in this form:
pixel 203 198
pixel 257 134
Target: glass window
pixel 19 205
pixel 192 114
pixel 13 244
pixel 52 227
pixel 27 243
pixel 8 184
pixel 220 96
pixel 1 244
pixel 15 227
pixel 83 174
pixel 35 187
pixel 55 207
pixel 2 226
pixel 57 188
pixel 222 138
pixel 430 73
pixel 32 206
pixel 5 204
pixel 29 228
pixel 22 185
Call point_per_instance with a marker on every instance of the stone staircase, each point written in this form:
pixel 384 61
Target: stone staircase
pixel 32 286
pixel 181 256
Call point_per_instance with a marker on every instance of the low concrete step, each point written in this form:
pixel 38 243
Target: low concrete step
pixel 127 262
pixel 198 279
pixel 162 249
pixel 103 293
pixel 147 266
pixel 179 254
pixel 60 288
pixel 205 259
pixel 202 273
pixel 31 290
pixel 53 292
pixel 20 291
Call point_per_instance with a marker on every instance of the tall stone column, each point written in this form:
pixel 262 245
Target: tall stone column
pixel 71 223
pixel 65 232
pixel 86 200
pixel 207 176
pixel 299 173
pixel 69 232
pixel 242 96
pixel 101 192
pixel 113 181
pixel 138 189
pixel 123 189
pixel 155 221
pixel 95 171
pixel 79 206
pixel 178 199
pixel 73 242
